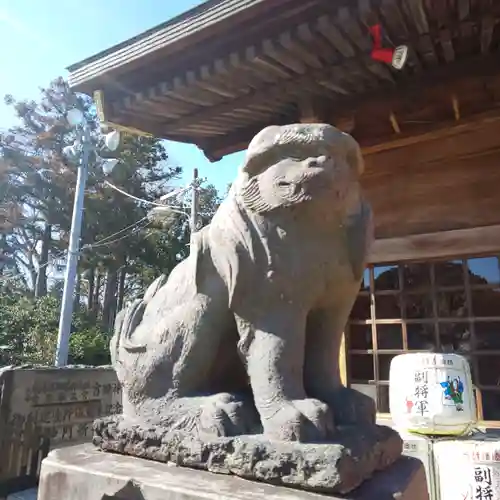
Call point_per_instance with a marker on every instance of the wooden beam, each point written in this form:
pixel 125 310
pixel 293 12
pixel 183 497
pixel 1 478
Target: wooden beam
pixel 447 244
pixel 439 130
pixel 239 139
pixel 347 18
pixel 292 45
pixel 330 32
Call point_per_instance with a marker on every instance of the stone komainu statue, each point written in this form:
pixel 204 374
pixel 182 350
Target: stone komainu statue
pixel 244 335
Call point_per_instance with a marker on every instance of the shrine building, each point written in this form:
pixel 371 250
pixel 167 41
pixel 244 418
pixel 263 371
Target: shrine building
pixel 430 133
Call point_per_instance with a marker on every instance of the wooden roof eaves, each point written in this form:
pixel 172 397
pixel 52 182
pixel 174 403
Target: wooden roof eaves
pixel 475 68
pixel 267 92
pixel 385 96
pixel 217 149
pixel 179 33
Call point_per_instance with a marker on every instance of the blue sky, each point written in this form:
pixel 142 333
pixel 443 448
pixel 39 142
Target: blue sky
pixel 40 38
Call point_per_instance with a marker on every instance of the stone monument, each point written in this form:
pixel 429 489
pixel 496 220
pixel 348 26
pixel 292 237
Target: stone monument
pixel 231 364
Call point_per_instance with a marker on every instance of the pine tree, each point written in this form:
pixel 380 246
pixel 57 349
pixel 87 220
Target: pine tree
pixel 37 187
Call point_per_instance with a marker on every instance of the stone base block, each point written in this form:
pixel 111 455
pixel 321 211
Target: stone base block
pixel 84 473
pixel 336 466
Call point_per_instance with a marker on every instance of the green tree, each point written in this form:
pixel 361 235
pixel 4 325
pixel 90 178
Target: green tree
pixel 28 333
pixel 40 184
pixel 122 251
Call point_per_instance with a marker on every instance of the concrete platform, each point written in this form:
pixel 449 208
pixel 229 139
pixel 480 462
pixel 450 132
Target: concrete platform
pixel 30 494
pixel 83 473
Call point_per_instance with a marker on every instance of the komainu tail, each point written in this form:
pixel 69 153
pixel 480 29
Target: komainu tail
pixel 127 321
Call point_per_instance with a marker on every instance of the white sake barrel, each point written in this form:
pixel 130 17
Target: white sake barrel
pixel 431 394
pixel 468 468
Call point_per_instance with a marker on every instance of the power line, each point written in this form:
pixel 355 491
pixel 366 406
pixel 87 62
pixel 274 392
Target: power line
pixel 136 230
pixel 115 234
pixel 116 188
pixel 99 243
pixel 108 240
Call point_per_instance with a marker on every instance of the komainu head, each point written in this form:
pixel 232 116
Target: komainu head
pixel 300 163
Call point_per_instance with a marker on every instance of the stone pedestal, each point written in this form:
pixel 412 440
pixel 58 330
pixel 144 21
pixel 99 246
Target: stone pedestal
pixel 84 473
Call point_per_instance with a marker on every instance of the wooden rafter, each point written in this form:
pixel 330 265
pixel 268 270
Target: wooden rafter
pixel 285 88
pixel 394 123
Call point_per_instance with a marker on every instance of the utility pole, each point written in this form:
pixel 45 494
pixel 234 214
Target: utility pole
pixel 66 317
pixel 194 204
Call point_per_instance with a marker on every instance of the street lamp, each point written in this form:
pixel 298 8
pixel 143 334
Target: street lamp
pixel 75 117
pixel 81 148
pixel 108 165
pixel 112 140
